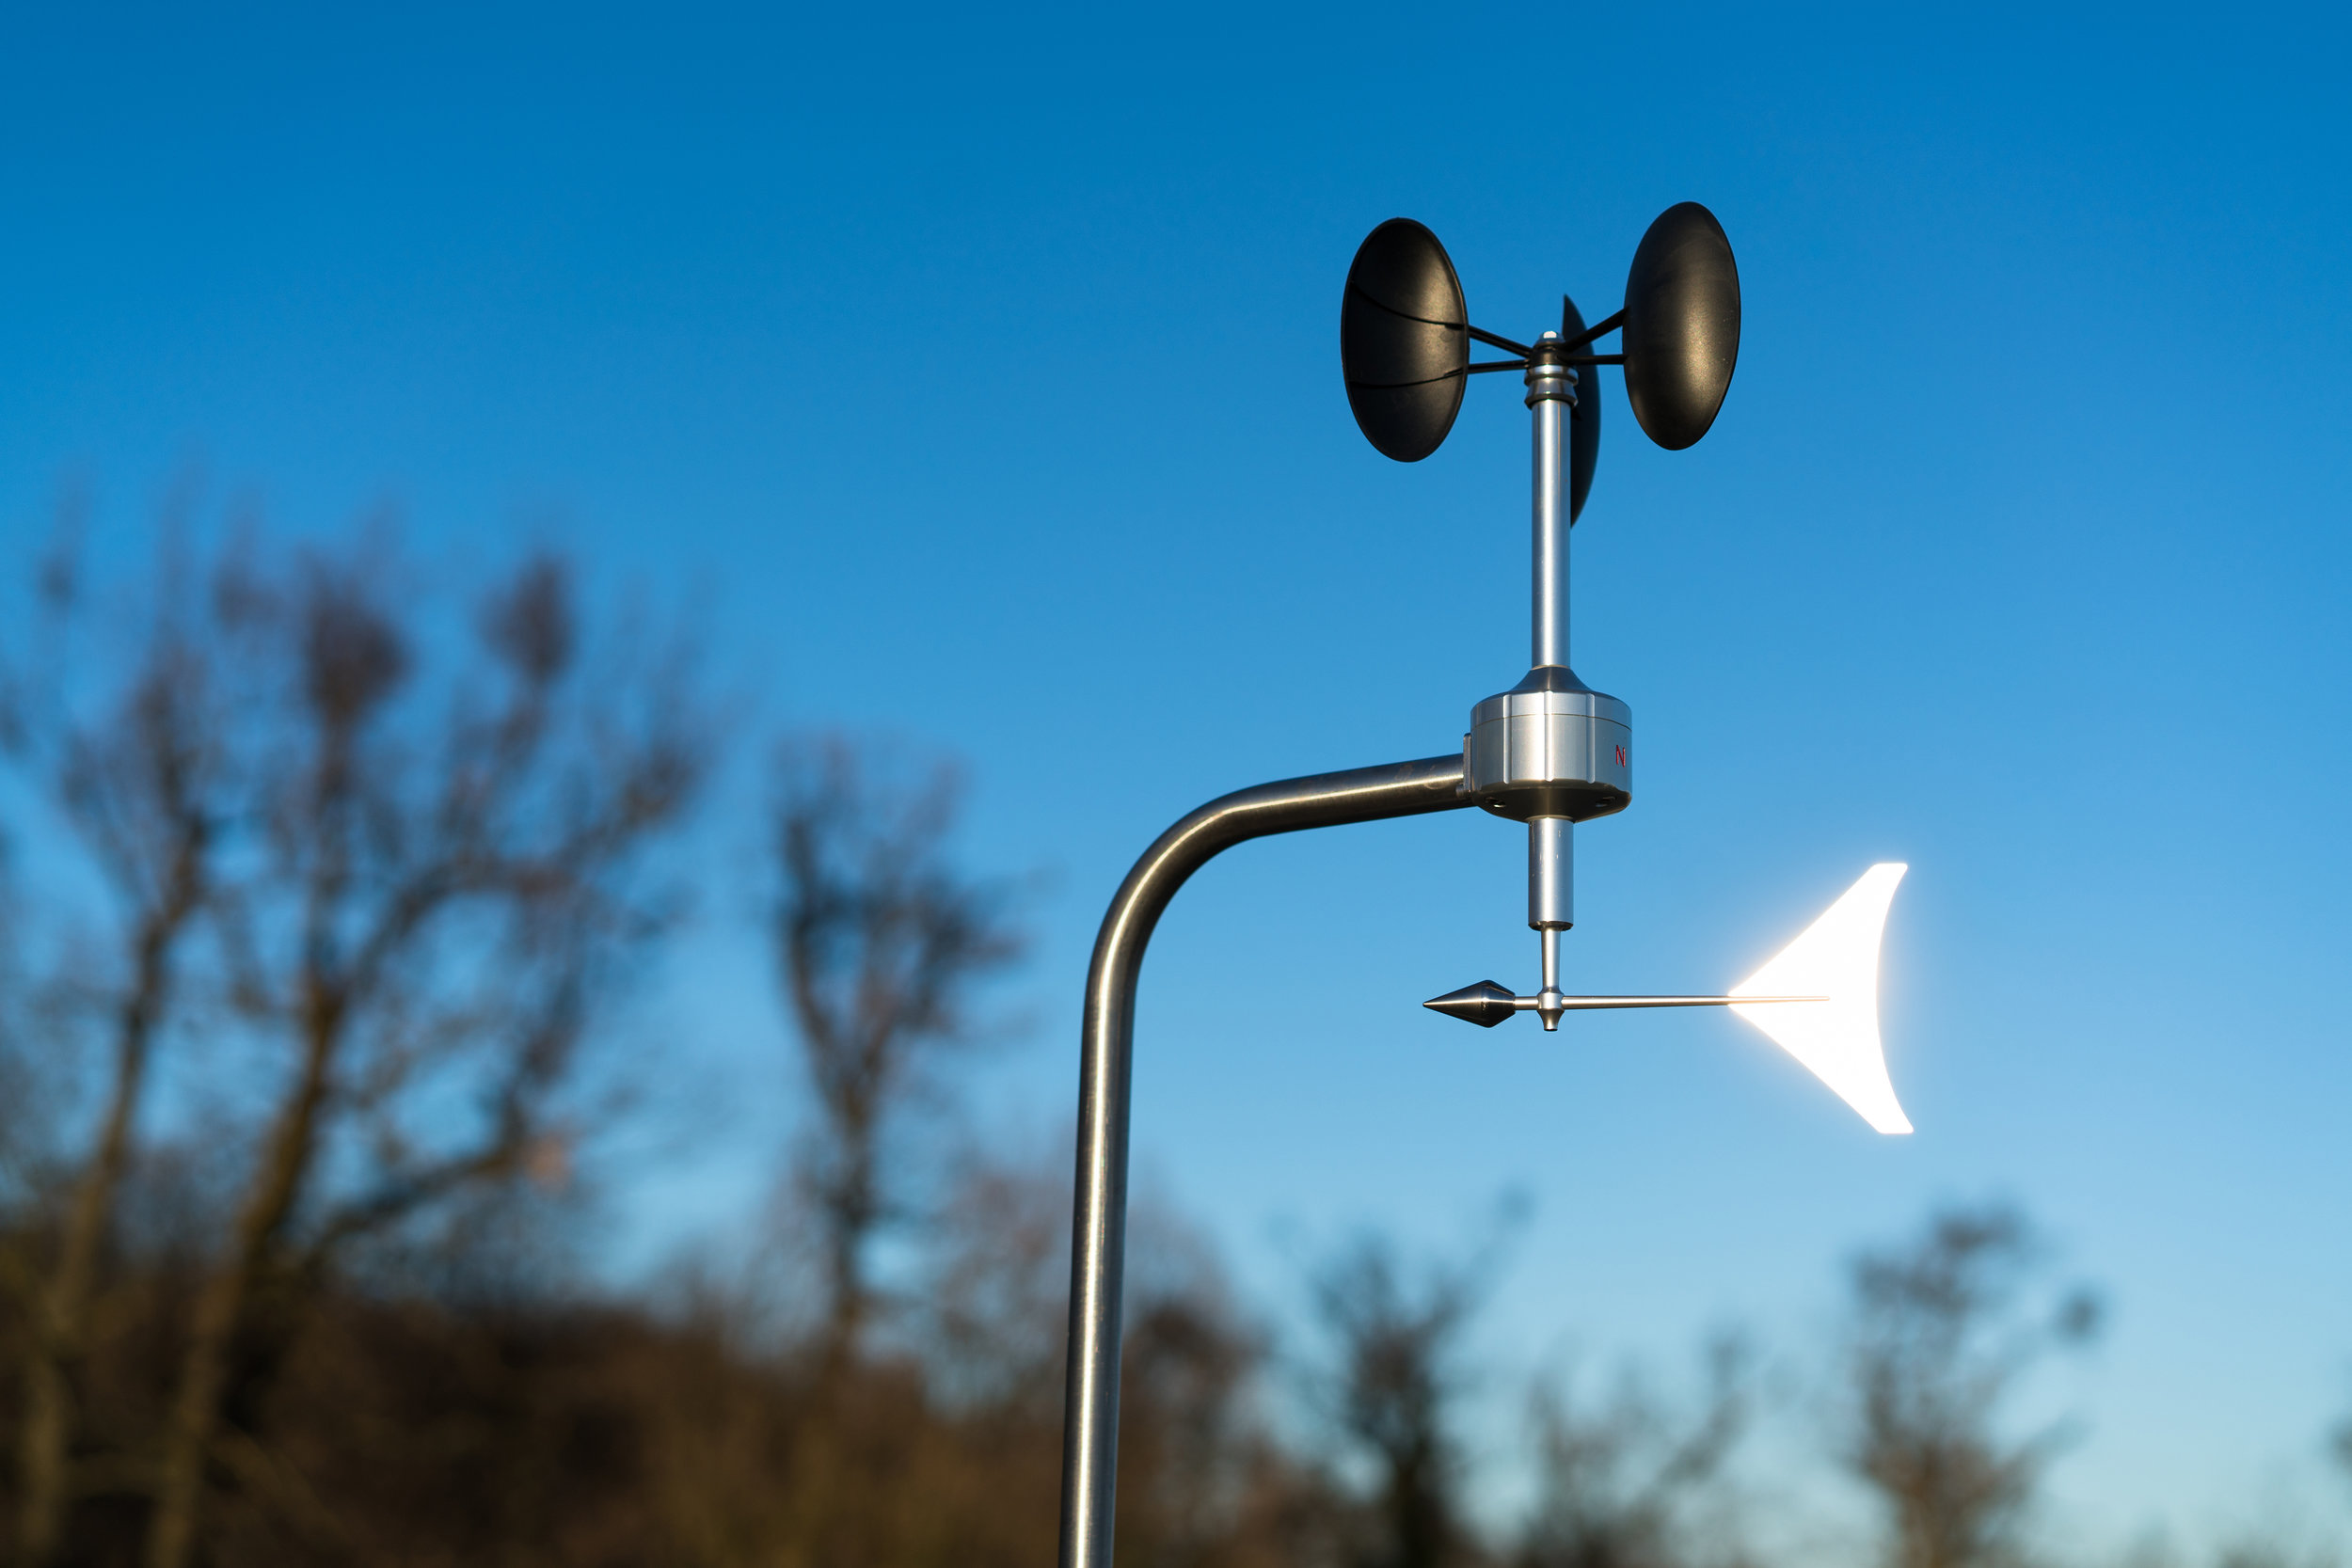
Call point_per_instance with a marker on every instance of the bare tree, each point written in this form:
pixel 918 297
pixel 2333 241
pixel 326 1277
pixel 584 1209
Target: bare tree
pixel 134 769
pixel 1397 1334
pixel 1198 1474
pixel 415 896
pixel 1945 1327
pixel 880 943
pixel 996 1286
pixel 1619 1484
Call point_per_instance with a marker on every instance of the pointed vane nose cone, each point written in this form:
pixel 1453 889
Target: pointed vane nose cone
pixel 1484 1004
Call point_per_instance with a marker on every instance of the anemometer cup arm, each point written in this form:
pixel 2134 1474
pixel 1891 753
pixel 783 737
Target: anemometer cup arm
pixel 1573 338
pixel 1495 341
pixel 1099 1223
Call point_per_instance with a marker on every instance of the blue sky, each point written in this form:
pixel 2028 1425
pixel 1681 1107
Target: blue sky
pixel 977 370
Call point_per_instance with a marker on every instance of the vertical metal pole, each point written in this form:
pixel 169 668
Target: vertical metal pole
pixel 1551 874
pixel 1098 1248
pixel 1550 864
pixel 1551 394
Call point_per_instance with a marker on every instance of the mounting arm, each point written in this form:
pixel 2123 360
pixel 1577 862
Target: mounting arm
pixel 1098 1251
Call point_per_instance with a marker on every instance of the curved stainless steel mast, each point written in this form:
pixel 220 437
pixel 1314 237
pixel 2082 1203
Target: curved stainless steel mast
pixel 1089 1462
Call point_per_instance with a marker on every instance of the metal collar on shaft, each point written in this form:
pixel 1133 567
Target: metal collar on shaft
pixel 1549 376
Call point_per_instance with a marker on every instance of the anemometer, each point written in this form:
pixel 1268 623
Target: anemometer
pixel 1549 753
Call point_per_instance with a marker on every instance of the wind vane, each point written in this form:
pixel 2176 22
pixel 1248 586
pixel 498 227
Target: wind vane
pixel 1549 752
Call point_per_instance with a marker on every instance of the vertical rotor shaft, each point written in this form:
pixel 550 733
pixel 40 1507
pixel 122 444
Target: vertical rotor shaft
pixel 1551 396
pixel 1550 863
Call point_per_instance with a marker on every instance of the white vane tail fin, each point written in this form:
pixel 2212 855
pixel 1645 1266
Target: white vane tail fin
pixel 1835 957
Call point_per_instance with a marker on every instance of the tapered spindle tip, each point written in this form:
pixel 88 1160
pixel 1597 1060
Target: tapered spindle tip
pixel 1484 1004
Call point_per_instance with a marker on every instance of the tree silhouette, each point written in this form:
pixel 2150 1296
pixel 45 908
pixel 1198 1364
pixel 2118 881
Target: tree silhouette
pixel 1943 1331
